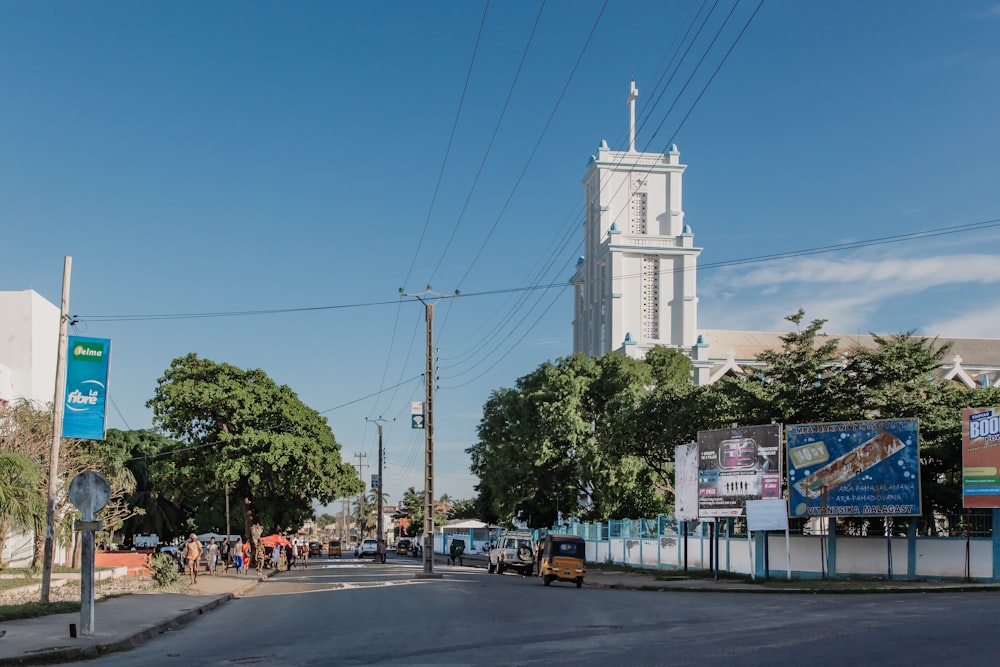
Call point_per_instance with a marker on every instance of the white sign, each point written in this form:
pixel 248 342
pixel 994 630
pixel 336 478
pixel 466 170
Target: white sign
pixel 686 482
pixel 771 514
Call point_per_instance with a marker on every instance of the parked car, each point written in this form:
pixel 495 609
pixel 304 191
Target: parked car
pixel 514 551
pixel 368 548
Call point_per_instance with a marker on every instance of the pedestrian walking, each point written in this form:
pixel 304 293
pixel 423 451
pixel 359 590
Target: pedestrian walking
pixel 246 555
pixel 225 552
pixel 192 553
pixel 381 549
pixel 238 555
pixel 213 555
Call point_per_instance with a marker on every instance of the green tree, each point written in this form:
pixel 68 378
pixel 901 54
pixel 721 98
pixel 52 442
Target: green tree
pixel 156 497
pixel 669 366
pixel 22 504
pixel 411 509
pixel 242 431
pixel 465 508
pixel 545 446
pixel 363 514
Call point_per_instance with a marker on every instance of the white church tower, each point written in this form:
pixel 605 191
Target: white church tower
pixel 635 288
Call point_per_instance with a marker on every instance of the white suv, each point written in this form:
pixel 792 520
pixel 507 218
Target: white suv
pixel 513 551
pixel 369 549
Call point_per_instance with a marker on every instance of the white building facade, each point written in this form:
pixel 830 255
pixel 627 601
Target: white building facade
pixel 635 286
pixel 29 337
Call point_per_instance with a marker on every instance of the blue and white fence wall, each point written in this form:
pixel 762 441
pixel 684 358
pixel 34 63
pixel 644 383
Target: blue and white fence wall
pixel 811 556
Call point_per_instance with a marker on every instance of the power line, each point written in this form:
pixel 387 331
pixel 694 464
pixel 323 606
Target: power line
pixel 358 400
pixel 833 247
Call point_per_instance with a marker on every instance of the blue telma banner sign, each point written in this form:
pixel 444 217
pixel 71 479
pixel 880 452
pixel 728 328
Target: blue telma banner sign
pixel 86 387
pixel 860 468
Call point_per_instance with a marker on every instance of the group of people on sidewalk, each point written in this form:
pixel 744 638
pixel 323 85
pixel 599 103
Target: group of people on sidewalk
pixel 190 552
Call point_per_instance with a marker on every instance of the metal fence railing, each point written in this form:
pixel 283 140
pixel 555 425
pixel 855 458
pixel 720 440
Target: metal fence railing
pixel 973 523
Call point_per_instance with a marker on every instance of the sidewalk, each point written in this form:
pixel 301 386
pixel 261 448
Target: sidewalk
pixel 119 623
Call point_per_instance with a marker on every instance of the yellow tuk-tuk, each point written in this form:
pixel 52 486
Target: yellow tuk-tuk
pixel 563 559
pixel 403 546
pixel 334 549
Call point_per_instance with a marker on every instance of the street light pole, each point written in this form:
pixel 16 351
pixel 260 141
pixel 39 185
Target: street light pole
pixel 380 535
pixel 428 571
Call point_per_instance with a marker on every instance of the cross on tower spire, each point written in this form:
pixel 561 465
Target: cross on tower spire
pixel 633 93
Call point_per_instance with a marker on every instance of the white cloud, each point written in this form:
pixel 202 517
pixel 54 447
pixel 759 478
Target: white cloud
pixel 908 274
pixel 979 324
pixel 991 13
pixel 854 296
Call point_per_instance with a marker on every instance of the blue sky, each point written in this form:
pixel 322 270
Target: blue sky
pixel 206 158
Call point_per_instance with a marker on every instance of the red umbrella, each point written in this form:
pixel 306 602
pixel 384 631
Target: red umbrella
pixel 271 540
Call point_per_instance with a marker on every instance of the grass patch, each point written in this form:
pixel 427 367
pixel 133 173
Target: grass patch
pixel 6 584
pixel 35 609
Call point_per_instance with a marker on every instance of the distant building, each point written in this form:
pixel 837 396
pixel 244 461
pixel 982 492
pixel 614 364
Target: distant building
pixel 29 336
pixel 636 286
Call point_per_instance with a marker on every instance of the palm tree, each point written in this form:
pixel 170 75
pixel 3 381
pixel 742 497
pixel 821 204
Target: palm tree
pixel 363 515
pixel 22 505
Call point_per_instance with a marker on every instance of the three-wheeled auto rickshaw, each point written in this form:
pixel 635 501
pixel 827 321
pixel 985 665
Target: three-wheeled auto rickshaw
pixel 334 549
pixel 563 559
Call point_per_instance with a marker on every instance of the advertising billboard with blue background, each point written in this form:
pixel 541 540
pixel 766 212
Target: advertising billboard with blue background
pixel 87 367
pixel 858 468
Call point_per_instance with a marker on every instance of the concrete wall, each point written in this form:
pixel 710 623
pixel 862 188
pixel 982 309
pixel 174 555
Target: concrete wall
pixel 811 555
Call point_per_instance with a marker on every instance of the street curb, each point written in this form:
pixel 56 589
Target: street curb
pixel 76 653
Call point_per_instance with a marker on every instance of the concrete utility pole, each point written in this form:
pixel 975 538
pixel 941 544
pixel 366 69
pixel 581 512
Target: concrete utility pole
pixel 361 476
pixel 379 423
pixel 57 417
pixel 429 378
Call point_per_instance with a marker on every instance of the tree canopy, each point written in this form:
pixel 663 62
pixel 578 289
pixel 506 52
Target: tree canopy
pixel 240 430
pixel 595 437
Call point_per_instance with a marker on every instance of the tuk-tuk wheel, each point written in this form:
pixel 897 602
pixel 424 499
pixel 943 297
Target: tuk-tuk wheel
pixel 579 582
pixel 547 579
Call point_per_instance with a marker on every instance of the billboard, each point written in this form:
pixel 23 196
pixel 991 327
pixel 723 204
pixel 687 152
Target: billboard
pixel 980 457
pixel 736 465
pixel 87 364
pixel 858 468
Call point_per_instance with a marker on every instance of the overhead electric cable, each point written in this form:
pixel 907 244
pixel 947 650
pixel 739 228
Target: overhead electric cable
pixel 489 147
pixel 834 247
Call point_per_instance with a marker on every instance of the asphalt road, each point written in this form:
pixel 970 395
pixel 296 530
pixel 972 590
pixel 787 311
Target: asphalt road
pixel 353 612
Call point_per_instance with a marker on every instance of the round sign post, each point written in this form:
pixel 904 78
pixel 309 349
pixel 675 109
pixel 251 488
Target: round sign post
pixel 88 492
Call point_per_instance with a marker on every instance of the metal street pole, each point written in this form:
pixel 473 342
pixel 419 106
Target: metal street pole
pixel 428 570
pixel 57 417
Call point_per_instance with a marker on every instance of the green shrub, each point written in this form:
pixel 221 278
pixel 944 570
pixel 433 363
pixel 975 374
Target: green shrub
pixel 164 567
